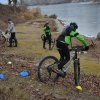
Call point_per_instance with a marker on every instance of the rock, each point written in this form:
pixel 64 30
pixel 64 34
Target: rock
pixel 98 36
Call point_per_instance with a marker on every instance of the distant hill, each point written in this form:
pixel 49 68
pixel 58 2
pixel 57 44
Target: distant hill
pixel 43 2
pixel 47 2
pixel 97 1
pixel 22 14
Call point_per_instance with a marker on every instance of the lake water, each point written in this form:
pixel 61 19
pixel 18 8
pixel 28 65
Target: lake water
pixel 86 15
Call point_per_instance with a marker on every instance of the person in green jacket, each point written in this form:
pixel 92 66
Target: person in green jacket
pixel 47 35
pixel 64 39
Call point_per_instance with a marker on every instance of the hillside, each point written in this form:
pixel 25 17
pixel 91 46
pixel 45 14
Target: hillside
pixel 27 56
pixel 21 14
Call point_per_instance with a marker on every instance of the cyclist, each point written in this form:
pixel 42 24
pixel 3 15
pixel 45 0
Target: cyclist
pixel 64 40
pixel 47 35
pixel 11 30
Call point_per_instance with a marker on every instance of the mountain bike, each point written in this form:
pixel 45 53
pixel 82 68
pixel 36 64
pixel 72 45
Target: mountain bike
pixel 47 69
pixel 2 38
pixel 52 41
pixel 5 38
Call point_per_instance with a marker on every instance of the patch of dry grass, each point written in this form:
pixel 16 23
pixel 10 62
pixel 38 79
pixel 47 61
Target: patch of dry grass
pixel 28 88
pixel 30 45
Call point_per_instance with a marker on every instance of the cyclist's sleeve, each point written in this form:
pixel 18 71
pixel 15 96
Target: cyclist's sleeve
pixel 79 37
pixel 11 28
pixel 50 32
pixel 44 29
pixel 67 39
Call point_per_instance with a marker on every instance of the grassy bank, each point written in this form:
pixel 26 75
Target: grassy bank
pixel 26 57
pixel 30 46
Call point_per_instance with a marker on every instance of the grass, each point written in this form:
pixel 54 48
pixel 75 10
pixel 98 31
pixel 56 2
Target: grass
pixel 30 45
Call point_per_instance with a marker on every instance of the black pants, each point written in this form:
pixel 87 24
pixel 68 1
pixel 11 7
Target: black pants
pixel 47 39
pixel 64 54
pixel 13 37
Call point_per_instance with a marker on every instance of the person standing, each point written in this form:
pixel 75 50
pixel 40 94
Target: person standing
pixel 11 30
pixel 47 35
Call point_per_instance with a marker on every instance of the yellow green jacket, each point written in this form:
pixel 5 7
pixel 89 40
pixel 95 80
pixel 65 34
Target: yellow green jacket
pixel 68 33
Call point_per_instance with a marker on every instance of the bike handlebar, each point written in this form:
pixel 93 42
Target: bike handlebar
pixel 82 48
pixel 78 48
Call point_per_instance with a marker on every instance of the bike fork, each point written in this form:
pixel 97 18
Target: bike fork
pixel 77 72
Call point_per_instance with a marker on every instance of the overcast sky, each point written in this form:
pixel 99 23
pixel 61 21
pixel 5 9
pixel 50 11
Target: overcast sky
pixel 3 1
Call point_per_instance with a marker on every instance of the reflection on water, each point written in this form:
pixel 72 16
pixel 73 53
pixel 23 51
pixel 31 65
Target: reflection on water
pixel 87 16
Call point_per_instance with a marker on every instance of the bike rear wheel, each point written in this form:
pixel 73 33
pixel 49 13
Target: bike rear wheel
pixel 77 72
pixel 2 40
pixel 44 73
pixel 52 41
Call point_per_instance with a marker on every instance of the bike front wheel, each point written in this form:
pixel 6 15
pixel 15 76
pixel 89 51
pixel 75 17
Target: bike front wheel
pixel 45 67
pixel 2 40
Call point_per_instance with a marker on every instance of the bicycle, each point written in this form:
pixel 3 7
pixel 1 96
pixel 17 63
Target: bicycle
pixel 2 38
pixel 52 41
pixel 5 38
pixel 48 67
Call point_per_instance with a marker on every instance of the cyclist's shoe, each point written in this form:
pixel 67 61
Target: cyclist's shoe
pixel 61 73
pixel 50 49
pixel 15 46
pixel 10 46
pixel 49 70
pixel 78 87
pixel 44 47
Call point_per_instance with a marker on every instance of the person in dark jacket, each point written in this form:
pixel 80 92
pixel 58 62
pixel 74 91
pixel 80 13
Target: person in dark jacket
pixel 64 39
pixel 47 35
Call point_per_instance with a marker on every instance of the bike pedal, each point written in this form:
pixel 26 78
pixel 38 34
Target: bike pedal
pixel 49 70
pixel 62 74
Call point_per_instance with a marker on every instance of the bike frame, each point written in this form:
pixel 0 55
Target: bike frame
pixel 7 36
pixel 73 58
pixel 76 63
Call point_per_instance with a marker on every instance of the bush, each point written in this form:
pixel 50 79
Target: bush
pixel 53 16
pixel 98 36
pixel 36 12
pixel 32 14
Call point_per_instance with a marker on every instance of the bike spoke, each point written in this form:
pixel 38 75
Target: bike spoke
pixel 45 68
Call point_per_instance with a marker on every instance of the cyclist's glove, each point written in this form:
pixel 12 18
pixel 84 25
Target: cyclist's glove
pixel 6 32
pixel 86 48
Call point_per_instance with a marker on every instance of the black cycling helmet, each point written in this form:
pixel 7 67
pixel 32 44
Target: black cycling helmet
pixel 74 25
pixel 9 19
pixel 46 24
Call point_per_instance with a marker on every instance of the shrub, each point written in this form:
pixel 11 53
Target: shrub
pixel 53 16
pixel 98 36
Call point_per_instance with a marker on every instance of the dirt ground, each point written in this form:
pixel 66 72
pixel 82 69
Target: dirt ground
pixel 27 57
